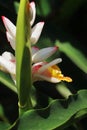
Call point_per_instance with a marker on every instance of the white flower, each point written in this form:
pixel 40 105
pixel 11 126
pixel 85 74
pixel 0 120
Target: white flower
pixel 35 31
pixel 41 70
pixel 8 62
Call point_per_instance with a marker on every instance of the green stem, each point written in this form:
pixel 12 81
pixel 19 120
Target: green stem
pixel 27 106
pixel 25 82
pixel 63 90
pixel 23 58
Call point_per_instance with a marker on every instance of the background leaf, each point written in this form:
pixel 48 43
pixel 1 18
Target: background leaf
pixel 4 126
pixel 56 115
pixel 74 54
pixel 16 5
pixel 6 80
pixel 44 8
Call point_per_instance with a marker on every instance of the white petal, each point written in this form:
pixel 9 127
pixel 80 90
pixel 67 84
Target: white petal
pixel 36 32
pixel 10 27
pixel 39 77
pixel 43 54
pixel 7 65
pixel 32 12
pixel 11 40
pixel 8 56
pixel 34 50
pixel 54 62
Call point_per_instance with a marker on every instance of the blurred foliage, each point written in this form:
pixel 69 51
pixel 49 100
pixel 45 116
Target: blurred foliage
pixel 50 117
pixel 66 22
pixel 74 54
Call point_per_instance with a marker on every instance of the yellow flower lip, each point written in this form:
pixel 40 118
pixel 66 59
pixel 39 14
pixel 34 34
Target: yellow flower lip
pixel 54 71
pixel 65 78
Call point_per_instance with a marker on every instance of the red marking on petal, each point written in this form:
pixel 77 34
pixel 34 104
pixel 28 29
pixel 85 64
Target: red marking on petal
pixel 42 22
pixel 32 3
pixel 13 61
pixel 35 47
pixel 56 47
pixel 36 68
pixel 2 17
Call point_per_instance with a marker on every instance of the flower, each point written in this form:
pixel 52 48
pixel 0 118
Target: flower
pixel 41 70
pixel 49 72
pixel 35 31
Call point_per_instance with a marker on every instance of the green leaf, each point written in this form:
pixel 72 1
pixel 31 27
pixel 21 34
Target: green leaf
pixel 2 115
pixel 23 56
pixel 59 114
pixel 44 8
pixel 4 126
pixel 6 80
pixel 1 111
pixel 74 54
pixel 81 113
pixel 16 5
